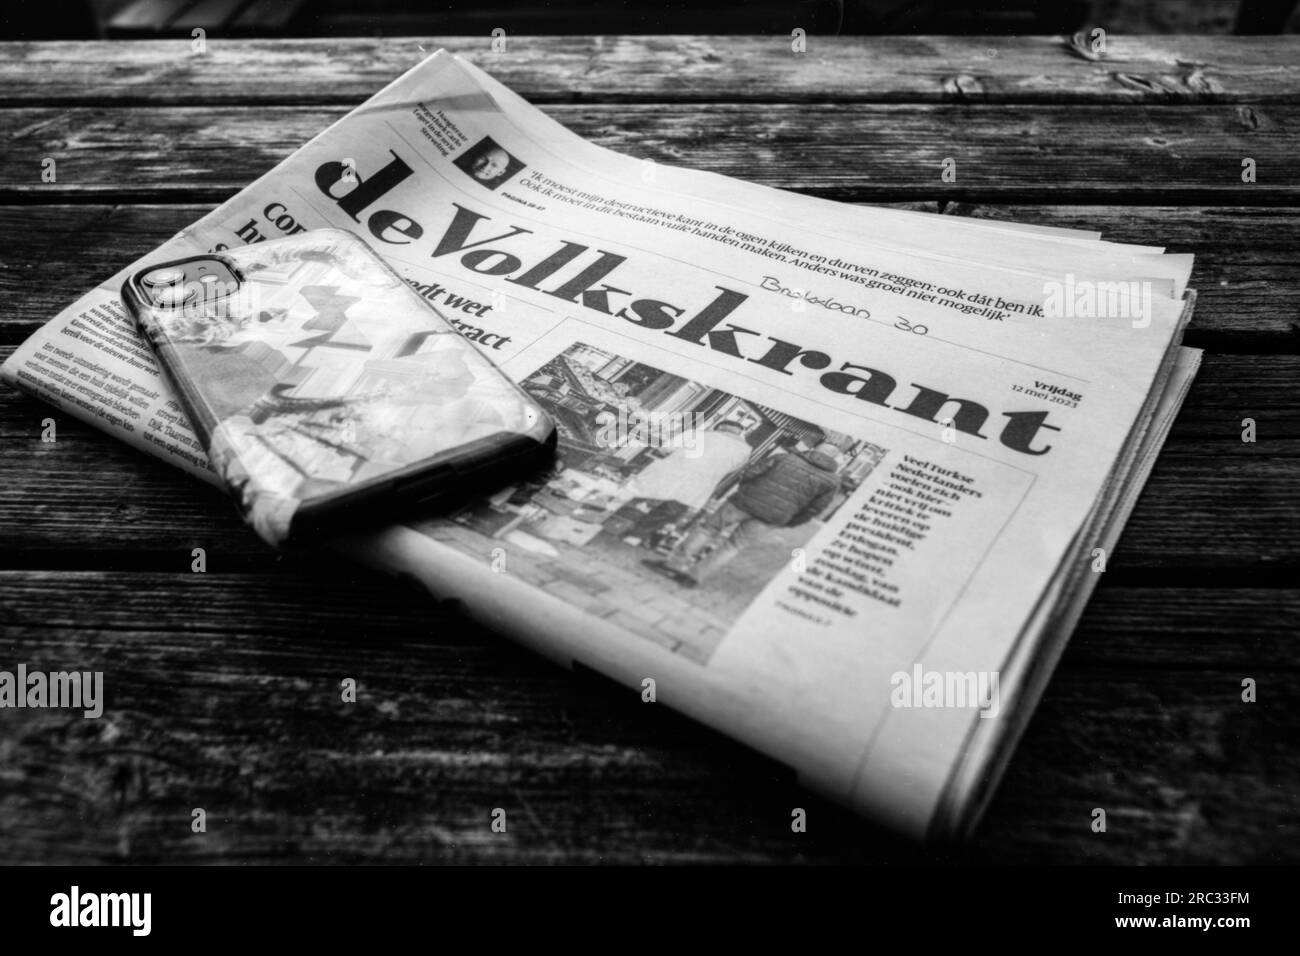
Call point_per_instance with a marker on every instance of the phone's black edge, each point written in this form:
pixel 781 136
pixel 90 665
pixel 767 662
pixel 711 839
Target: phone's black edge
pixel 431 487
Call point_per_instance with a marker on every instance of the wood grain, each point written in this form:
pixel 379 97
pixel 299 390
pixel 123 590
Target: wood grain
pixel 853 152
pixel 684 69
pixel 223 694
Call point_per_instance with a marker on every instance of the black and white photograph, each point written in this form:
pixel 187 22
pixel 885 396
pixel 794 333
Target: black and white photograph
pixel 488 163
pixel 780 435
pixel 679 501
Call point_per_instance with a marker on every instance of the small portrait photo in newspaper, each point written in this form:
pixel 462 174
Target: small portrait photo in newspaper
pixel 674 503
pixel 488 163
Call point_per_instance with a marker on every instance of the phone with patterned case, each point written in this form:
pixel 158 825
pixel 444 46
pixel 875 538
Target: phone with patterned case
pixel 326 391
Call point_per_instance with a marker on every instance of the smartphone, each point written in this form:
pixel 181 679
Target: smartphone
pixel 327 393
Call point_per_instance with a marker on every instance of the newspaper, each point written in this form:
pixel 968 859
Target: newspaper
pixel 830 479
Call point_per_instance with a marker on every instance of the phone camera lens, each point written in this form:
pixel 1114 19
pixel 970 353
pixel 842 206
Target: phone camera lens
pixel 176 295
pixel 163 277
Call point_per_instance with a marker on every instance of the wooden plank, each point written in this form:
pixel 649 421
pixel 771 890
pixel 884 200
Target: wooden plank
pixel 1229 388
pixel 222 692
pixel 1212 503
pixel 51 254
pixel 208 15
pixel 147 16
pixel 1243 257
pixel 266 16
pixel 1148 154
pixel 1125 627
pixel 1134 69
pixel 1162 765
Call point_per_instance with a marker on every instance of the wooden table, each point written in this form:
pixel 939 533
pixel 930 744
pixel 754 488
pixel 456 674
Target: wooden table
pixel 224 685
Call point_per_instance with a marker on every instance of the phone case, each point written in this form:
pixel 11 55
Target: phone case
pixel 325 390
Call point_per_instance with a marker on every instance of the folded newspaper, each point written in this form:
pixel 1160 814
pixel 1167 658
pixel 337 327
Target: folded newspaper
pixel 836 480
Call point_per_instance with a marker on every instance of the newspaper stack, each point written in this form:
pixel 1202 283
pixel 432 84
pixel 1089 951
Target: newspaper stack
pixel 836 480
